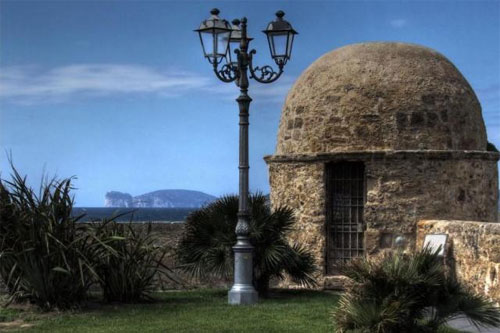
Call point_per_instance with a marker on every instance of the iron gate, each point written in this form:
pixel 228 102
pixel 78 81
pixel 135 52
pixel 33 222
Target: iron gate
pixel 345 186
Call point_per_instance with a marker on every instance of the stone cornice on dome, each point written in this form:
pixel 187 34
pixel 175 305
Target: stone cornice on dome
pixel 387 154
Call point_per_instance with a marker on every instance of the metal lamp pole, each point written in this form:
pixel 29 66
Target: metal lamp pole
pixel 216 36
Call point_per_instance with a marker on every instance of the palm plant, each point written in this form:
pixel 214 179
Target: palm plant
pixel 407 293
pixel 206 246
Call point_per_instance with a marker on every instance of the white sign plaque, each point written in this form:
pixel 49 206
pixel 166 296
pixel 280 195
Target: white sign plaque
pixel 434 241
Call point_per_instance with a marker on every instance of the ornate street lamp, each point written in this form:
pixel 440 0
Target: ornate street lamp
pixel 219 39
pixel 214 37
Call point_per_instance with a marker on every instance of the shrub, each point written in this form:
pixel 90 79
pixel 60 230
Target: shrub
pixel 407 293
pixel 49 258
pixel 206 245
pixel 45 255
pixel 134 268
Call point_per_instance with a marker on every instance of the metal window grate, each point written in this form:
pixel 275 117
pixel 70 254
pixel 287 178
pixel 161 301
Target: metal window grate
pixel 345 184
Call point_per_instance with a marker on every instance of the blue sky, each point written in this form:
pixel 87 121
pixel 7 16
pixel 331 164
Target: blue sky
pixel 118 94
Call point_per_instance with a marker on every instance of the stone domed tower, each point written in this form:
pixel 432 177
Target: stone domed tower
pixel 374 137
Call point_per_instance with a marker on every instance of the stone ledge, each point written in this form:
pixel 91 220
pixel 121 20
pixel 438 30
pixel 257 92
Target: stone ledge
pixel 386 154
pixel 335 282
pixel 490 228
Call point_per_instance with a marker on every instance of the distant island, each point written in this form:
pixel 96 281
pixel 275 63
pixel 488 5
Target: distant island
pixel 158 199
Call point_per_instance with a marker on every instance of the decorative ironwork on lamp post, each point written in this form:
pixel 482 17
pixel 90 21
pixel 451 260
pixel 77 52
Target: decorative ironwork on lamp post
pixel 219 40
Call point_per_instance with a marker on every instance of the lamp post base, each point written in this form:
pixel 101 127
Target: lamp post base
pixel 242 295
pixel 242 292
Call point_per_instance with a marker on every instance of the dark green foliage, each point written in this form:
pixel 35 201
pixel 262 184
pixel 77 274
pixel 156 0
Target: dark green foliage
pixel 49 258
pixel 134 268
pixel 491 147
pixel 206 246
pixel 407 293
pixel 45 255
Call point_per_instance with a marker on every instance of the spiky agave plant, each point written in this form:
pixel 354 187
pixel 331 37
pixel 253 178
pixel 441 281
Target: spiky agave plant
pixel 45 255
pixel 407 293
pixel 206 245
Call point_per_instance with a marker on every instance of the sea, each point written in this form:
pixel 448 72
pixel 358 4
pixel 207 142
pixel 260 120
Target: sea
pixel 133 214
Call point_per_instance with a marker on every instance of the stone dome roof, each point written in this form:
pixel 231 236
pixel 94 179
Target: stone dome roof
pixel 380 96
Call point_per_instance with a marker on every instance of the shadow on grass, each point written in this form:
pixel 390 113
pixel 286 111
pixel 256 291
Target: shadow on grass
pixel 220 296
pixel 299 294
pixel 195 297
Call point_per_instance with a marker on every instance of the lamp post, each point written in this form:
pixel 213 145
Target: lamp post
pixel 219 39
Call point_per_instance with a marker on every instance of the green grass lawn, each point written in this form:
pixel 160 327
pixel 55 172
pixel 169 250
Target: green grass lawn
pixel 188 311
pixel 200 311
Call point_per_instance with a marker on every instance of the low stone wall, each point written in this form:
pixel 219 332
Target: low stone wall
pixel 474 251
pixel 169 235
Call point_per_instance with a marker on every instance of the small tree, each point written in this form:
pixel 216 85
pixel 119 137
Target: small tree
pixel 206 245
pixel 407 293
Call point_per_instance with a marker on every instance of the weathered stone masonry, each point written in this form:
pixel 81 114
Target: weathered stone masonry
pixel 474 252
pixel 402 188
pixel 410 117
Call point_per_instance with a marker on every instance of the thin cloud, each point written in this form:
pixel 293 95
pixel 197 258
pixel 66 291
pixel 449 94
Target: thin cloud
pixel 30 85
pixel 398 23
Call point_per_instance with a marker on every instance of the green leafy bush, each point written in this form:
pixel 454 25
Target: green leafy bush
pixel 45 255
pixel 134 268
pixel 206 246
pixel 407 293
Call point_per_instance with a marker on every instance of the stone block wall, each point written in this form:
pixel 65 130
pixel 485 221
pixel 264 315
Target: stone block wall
pixel 300 186
pixel 402 187
pixel 474 251
pixel 401 191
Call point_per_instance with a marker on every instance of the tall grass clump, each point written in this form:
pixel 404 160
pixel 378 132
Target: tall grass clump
pixel 135 266
pixel 45 255
pixel 51 259
pixel 408 293
pixel 206 245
